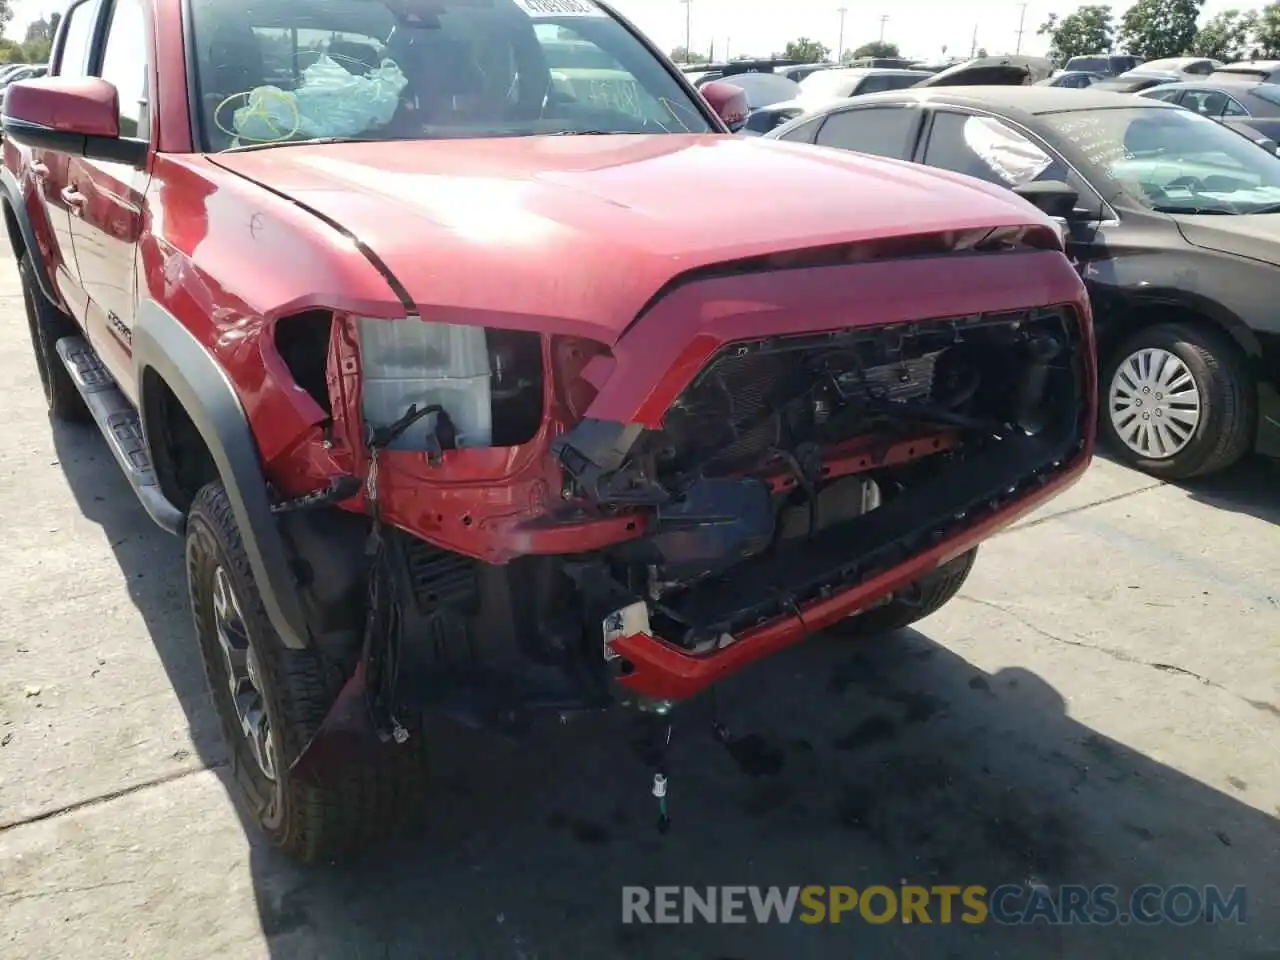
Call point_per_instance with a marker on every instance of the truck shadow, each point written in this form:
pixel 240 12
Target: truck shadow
pixel 895 762
pixel 891 762
pixel 152 564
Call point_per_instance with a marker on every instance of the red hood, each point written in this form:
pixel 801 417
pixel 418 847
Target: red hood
pixel 586 230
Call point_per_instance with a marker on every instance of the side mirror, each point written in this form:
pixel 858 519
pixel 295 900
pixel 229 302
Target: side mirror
pixel 78 116
pixel 1052 197
pixel 728 102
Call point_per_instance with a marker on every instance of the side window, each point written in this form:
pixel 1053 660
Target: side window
pixel 988 149
pixel 126 65
pixel 882 131
pixel 992 150
pixel 73 58
pixel 1207 103
pixel 805 132
pixel 1234 108
pixel 1169 96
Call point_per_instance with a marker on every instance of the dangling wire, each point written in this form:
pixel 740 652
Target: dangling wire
pixel 384 621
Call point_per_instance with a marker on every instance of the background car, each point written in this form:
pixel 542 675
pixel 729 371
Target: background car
pixel 1227 97
pixel 1075 79
pixel 1260 71
pixel 1173 220
pixel 1155 72
pixel 763 90
pixel 1192 66
pixel 819 89
pixel 1104 64
pixel 24 71
pixel 800 71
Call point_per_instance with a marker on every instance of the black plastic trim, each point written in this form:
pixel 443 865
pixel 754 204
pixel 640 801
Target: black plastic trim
pixel 39 137
pixel 13 193
pixel 161 343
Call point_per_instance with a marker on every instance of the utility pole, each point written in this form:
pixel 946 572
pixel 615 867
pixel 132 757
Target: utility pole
pixel 688 28
pixel 884 17
pixel 973 50
pixel 843 11
pixel 1022 19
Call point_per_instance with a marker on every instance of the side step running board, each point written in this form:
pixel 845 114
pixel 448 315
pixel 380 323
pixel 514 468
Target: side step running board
pixel 120 424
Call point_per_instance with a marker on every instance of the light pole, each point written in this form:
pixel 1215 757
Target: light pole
pixel 843 11
pixel 688 29
pixel 884 18
pixel 1022 19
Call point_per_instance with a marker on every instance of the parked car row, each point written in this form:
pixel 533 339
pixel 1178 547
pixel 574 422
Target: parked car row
pixel 1173 220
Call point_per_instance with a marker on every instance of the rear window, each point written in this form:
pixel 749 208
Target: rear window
pixel 887 81
pixel 1089 64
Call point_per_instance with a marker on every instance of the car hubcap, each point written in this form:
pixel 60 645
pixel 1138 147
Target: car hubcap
pixel 1155 403
pixel 243 674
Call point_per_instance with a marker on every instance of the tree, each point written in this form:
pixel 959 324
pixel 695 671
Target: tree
pixel 876 48
pixel 682 55
pixel 41 29
pixel 1267 32
pixel 1089 30
pixel 1153 29
pixel 1225 36
pixel 805 50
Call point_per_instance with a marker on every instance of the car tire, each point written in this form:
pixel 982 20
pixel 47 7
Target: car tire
pixel 48 325
pixel 1208 429
pixel 923 598
pixel 291 691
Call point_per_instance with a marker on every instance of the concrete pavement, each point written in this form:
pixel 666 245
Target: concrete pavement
pixel 1101 705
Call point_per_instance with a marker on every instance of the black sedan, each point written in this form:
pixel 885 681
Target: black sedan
pixel 1174 221
pixel 1224 96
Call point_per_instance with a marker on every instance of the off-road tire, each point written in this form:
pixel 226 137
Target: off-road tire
pixel 922 599
pixel 358 807
pixel 1228 400
pixel 48 325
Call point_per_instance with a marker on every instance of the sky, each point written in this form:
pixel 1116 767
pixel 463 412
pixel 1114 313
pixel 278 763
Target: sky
pixel 920 27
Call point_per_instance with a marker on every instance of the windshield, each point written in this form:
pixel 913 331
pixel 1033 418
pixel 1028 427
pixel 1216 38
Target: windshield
pixel 284 71
pixel 1173 161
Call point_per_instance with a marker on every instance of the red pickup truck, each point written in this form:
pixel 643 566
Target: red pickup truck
pixel 471 391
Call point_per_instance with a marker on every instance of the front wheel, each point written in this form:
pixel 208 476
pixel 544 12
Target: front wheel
pixel 271 700
pixel 1179 401
pixel 47 325
pixel 923 598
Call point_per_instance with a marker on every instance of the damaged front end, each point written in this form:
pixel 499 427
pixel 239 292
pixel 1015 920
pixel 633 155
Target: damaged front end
pixel 796 478
pixel 566 524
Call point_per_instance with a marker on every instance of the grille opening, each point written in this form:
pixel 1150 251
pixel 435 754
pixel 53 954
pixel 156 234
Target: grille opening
pixel 874 445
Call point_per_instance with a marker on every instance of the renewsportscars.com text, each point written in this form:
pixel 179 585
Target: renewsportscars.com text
pixel 1010 904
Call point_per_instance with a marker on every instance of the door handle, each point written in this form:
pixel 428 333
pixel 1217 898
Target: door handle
pixel 39 170
pixel 74 200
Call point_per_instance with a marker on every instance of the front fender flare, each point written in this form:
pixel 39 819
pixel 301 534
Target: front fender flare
pixel 17 203
pixel 162 344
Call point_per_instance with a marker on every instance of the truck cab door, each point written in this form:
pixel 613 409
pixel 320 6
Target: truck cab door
pixel 51 170
pixel 107 198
